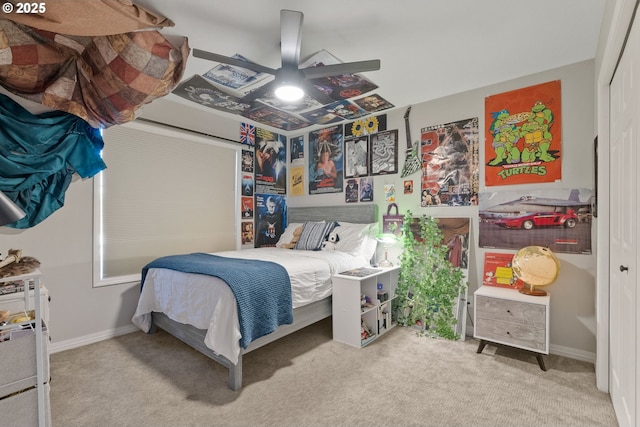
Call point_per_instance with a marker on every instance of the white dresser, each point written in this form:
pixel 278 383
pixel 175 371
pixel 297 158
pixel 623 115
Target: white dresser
pixel 507 317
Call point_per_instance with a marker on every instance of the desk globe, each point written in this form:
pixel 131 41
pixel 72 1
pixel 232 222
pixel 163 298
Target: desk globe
pixel 536 266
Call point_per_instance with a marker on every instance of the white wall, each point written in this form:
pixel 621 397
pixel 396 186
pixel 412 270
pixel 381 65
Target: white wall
pixel 63 245
pixel 81 313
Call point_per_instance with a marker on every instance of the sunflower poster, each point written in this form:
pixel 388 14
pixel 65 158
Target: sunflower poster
pixel 365 126
pixel 523 135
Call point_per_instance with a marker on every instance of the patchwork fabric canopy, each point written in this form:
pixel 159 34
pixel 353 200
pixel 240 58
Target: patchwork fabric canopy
pixel 102 79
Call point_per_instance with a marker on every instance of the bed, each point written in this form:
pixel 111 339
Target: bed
pixel 202 311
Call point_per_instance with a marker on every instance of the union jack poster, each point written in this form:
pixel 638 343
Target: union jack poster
pixel 247 134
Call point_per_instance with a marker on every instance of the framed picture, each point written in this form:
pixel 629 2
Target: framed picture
pixel 384 152
pixel 356 157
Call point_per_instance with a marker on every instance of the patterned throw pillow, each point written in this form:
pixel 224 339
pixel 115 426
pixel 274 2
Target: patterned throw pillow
pixel 313 234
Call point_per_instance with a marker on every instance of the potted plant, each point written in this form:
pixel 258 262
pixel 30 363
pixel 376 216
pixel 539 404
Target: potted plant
pixel 429 286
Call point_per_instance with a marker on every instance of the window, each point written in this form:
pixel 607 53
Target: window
pixel 164 192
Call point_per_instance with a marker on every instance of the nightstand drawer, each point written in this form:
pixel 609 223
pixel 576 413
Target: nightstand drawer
pixel 515 334
pixel 532 315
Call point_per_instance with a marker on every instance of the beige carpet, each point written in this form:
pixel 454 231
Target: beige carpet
pixel 306 379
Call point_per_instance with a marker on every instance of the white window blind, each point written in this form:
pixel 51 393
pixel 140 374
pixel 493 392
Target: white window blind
pixel 164 192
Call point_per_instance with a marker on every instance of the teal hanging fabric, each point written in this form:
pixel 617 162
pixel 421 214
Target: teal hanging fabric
pixel 39 155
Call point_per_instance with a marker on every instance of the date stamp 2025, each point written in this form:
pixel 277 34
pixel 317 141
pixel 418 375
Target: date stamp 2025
pixel 19 7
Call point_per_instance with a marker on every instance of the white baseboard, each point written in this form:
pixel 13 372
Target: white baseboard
pixel 572 353
pixel 559 350
pixel 90 339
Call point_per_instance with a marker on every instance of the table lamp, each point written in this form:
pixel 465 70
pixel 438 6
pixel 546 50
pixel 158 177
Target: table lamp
pixel 387 240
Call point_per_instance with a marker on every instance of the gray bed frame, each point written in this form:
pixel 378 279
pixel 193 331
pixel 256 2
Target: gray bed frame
pixel 302 316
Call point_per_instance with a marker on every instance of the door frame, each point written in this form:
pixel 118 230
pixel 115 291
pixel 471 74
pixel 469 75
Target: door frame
pixel 618 16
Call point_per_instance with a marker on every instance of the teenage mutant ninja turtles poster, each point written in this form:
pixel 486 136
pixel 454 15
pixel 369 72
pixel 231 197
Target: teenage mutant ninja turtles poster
pixel 523 135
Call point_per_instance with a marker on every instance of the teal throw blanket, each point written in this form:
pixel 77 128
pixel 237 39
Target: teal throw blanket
pixel 262 288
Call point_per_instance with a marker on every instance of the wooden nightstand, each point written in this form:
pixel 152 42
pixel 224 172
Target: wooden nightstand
pixel 505 316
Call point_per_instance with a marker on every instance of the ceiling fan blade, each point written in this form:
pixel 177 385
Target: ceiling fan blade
pixel 290 37
pixel 198 53
pixel 339 69
pixel 259 92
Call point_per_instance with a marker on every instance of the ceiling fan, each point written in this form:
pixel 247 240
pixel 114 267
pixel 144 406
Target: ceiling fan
pixel 289 78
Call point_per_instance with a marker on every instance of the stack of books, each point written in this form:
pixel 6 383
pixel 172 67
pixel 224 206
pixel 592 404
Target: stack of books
pixel 13 287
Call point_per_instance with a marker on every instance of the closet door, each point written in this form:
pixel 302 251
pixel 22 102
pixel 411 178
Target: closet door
pixel 624 209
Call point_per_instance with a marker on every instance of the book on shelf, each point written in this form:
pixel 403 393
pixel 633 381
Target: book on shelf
pixel 13 287
pixel 361 272
pixel 498 271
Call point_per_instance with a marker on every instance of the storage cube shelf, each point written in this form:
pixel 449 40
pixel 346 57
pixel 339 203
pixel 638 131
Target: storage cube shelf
pixel 18 363
pixel 24 365
pixel 350 315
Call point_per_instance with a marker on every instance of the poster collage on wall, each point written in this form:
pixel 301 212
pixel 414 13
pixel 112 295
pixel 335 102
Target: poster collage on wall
pixel 522 145
pixel 340 159
pixel 523 134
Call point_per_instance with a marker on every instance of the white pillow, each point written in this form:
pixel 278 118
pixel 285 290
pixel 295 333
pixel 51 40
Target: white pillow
pixel 352 236
pixel 287 236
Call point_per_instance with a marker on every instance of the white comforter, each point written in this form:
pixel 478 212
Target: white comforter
pixel 208 303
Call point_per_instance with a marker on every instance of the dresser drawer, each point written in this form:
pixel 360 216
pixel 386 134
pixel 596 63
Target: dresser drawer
pixel 511 311
pixel 514 334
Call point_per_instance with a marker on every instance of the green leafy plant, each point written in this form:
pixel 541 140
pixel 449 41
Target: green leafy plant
pixel 429 285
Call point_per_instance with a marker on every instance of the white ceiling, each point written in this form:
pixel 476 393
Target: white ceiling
pixel 428 48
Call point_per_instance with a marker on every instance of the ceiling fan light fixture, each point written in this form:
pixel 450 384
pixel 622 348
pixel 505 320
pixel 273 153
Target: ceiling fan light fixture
pixel 289 92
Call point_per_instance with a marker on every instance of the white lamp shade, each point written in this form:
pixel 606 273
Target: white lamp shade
pixel 9 211
pixel 387 239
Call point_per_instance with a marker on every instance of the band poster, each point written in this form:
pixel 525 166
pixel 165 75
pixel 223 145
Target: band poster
pixel 524 135
pixel 270 162
pixel 449 156
pixel 326 147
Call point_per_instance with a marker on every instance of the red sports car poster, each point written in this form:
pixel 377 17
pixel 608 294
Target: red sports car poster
pixel 523 135
pixel 557 219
